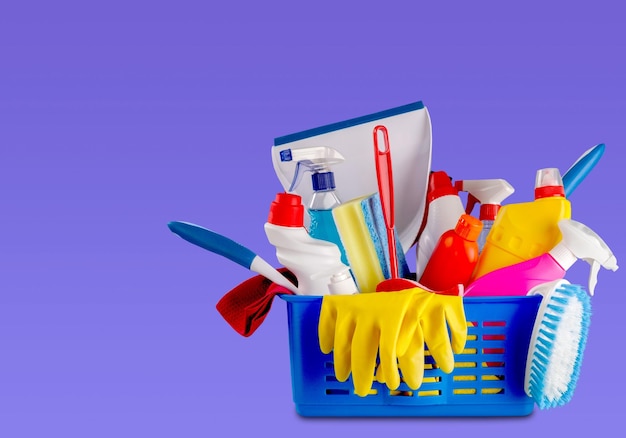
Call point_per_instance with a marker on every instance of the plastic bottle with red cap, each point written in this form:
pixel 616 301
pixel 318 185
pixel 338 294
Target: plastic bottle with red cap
pixel 314 262
pixel 455 255
pixel 526 230
pixel 443 209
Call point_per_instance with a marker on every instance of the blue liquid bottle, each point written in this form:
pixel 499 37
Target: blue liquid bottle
pixel 318 160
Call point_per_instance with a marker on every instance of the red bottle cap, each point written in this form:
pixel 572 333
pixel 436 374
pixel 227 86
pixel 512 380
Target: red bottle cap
pixel 488 212
pixel 548 183
pixel 440 184
pixel 287 210
pixel 468 227
pixel 549 191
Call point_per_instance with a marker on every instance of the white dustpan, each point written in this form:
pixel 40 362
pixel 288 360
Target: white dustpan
pixel 411 136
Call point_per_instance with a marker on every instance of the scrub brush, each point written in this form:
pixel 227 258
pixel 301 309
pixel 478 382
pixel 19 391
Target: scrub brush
pixel 557 343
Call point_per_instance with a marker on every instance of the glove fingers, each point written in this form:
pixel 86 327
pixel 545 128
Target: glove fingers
pixel 407 330
pixel 394 344
pixel 326 326
pixel 343 347
pixel 412 362
pixel 455 315
pixel 388 356
pixel 436 337
pixel 364 349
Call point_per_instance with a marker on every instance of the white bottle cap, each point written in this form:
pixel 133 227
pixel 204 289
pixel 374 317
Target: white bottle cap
pixel 549 183
pixel 548 177
pixel 342 283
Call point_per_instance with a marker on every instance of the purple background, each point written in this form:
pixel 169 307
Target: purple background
pixel 119 118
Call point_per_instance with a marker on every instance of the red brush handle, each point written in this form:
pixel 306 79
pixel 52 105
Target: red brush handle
pixel 384 177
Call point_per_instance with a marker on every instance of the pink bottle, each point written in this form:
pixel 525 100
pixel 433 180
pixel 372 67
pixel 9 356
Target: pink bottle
pixel 454 257
pixel 578 242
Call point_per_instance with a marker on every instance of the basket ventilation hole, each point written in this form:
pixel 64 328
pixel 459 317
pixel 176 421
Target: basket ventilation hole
pixel 396 393
pixel 337 392
pixel 429 393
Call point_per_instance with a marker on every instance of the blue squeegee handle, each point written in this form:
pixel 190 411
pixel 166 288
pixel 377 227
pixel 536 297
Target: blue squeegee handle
pixel 214 242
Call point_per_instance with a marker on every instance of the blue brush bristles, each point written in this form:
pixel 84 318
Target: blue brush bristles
pixel 557 345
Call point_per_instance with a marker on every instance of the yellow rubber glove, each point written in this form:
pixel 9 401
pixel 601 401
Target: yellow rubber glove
pixel 436 314
pixel 394 325
pixel 357 327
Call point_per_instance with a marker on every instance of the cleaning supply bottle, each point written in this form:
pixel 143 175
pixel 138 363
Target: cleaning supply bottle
pixel 444 208
pixel 523 231
pixel 342 283
pixel 578 242
pixel 312 261
pixel 318 160
pixel 489 193
pixel 454 258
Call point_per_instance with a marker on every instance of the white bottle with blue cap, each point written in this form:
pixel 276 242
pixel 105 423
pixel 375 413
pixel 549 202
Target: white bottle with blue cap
pixel 318 160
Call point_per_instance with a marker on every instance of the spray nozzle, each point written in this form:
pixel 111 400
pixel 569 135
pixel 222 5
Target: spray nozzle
pixel 488 192
pixel 317 160
pixel 581 242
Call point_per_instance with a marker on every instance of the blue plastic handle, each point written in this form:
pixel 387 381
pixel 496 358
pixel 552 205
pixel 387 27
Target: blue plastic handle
pixel 581 168
pixel 213 242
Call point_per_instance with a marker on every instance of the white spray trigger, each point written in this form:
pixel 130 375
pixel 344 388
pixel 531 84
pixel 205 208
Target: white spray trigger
pixel 488 192
pixel 316 159
pixel 593 275
pixel 611 264
pixel 585 244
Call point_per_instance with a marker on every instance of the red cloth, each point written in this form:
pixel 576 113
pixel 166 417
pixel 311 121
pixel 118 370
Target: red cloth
pixel 246 305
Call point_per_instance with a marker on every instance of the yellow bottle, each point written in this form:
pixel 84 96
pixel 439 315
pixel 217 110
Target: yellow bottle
pixel 527 230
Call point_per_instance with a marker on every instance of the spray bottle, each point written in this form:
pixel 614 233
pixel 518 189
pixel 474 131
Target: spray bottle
pixel 444 210
pixel 524 231
pixel 318 160
pixel 578 242
pixel 489 193
pixel 315 263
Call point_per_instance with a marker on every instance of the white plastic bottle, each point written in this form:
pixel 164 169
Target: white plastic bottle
pixel 489 193
pixel 444 210
pixel 313 261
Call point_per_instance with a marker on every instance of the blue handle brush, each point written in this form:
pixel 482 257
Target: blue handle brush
pixel 581 168
pixel 557 343
pixel 230 249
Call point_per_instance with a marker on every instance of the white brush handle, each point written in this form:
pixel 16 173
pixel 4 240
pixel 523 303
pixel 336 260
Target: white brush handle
pixel 262 267
pixel 545 290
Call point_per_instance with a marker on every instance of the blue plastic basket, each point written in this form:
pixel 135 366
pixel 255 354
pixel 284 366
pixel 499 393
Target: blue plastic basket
pixel 488 378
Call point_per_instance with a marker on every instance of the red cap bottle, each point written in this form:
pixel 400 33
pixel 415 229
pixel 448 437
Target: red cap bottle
pixel 287 210
pixel 455 256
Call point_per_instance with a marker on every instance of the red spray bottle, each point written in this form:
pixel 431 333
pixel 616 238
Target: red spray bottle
pixel 454 257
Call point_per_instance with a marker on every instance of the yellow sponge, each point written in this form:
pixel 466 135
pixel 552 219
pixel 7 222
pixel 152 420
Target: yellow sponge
pixel 357 240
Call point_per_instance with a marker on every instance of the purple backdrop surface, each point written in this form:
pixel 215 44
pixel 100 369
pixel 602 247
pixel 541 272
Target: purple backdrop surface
pixel 119 118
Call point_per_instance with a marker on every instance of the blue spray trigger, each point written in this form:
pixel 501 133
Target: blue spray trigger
pixel 297 176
